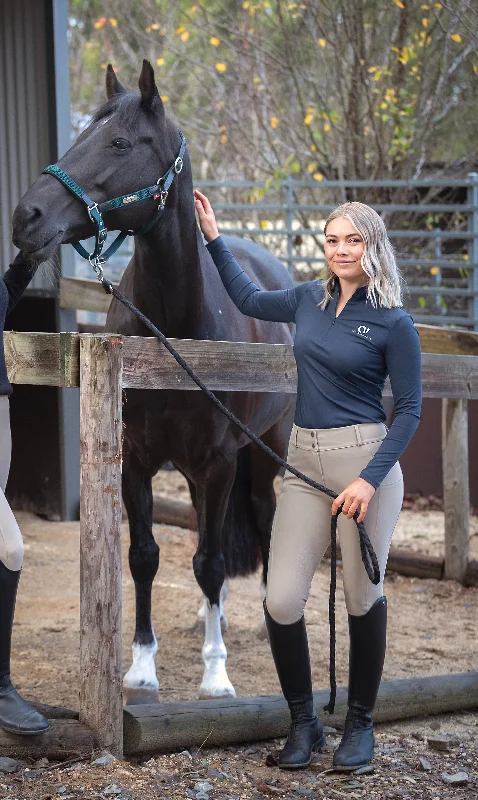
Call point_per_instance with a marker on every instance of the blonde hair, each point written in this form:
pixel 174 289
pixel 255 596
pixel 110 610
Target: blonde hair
pixel 378 259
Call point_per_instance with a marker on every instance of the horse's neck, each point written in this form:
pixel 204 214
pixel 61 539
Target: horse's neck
pixel 168 278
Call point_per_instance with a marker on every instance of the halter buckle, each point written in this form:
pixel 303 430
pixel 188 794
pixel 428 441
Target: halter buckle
pixel 178 165
pixel 90 210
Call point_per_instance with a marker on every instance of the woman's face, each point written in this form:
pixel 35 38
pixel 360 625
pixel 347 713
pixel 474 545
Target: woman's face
pixel 343 250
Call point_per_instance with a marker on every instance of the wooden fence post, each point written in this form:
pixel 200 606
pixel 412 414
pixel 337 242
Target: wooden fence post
pixel 456 491
pixel 101 698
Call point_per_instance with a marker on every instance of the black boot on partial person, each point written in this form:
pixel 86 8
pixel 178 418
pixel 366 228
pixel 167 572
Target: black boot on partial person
pixel 290 651
pixel 16 715
pixel 367 654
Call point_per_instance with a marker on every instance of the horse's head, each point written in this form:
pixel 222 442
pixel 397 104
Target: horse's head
pixel 129 144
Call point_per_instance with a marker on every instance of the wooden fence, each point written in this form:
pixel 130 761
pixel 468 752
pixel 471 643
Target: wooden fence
pixel 102 365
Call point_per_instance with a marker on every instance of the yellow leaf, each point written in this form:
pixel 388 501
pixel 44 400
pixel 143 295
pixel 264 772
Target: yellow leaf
pixel 425 22
pixel 103 66
pixel 383 105
pixel 322 42
pixel 264 223
pixel 399 3
pixel 164 98
pixel 372 69
pixel 155 26
pixel 326 127
pixel 475 69
pixel 308 119
pixel 180 30
pixel 184 36
pixel 312 167
pixel 222 128
pixel 113 22
pixel 274 122
pixel 317 176
pixel 456 37
pixel 194 9
pixel 100 23
pixel 377 75
pixel 425 8
pixel 313 148
pixel 215 41
pixel 221 67
pixel 246 5
pixel 160 62
pixel 223 138
pixel 434 271
pixel 438 5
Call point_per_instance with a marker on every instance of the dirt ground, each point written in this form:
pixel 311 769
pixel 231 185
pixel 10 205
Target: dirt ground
pixel 433 630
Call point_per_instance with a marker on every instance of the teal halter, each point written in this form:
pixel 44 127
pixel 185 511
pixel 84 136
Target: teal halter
pixel 159 191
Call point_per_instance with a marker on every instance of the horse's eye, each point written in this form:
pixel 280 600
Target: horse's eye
pixel 120 144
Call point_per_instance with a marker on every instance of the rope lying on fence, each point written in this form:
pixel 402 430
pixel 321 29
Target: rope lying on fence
pixel 369 558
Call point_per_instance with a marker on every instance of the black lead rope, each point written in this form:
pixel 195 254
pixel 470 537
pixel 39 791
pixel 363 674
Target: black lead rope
pixel 369 558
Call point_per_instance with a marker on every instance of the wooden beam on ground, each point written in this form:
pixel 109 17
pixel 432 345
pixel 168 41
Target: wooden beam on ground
pixel 101 696
pixel 66 738
pixel 168 511
pixel 211 723
pixel 456 490
pixel 83 294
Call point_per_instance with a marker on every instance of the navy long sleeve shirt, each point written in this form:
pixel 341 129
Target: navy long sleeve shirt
pixel 12 286
pixel 342 362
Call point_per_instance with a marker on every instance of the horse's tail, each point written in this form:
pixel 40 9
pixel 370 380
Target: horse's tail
pixel 240 538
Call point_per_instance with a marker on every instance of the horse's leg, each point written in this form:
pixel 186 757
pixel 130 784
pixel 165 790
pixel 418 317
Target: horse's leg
pixel 143 562
pixel 208 563
pixel 222 600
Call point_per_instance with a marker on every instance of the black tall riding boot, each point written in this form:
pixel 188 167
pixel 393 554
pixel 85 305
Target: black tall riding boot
pixel 368 636
pixel 291 656
pixel 16 715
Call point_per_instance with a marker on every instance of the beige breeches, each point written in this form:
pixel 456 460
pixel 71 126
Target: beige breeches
pixel 333 457
pixel 11 542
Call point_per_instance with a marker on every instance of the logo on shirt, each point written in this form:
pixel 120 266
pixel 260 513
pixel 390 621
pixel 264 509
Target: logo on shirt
pixel 363 331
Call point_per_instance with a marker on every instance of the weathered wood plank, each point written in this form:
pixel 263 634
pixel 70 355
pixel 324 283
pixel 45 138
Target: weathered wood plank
pixel 447 340
pixel 52 359
pixel 83 294
pixel 223 366
pixel 163 726
pixel 101 696
pixel 66 738
pixel 244 366
pixel 43 359
pixel 456 489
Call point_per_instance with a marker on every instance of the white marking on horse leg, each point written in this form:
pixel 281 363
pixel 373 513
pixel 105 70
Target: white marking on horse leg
pixel 215 682
pixel 142 672
pixel 222 600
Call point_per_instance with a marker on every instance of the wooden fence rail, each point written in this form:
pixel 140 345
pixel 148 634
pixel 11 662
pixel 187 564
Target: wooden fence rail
pixel 101 365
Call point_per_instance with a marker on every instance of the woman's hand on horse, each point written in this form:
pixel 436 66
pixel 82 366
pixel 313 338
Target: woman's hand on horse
pixel 357 495
pixel 207 220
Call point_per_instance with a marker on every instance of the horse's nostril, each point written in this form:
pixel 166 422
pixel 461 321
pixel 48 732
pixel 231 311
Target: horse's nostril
pixel 32 213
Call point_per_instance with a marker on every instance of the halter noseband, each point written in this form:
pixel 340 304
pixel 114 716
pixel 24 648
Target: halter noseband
pixel 158 191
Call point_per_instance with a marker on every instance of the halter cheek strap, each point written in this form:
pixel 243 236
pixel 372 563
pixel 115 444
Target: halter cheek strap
pixel 158 191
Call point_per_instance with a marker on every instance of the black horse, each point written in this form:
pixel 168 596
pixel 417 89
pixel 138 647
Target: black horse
pixel 172 279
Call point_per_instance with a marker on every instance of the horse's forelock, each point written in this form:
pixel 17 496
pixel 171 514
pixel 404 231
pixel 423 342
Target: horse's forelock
pixel 126 107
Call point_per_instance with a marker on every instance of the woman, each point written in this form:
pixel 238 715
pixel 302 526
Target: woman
pixel 16 715
pixel 351 332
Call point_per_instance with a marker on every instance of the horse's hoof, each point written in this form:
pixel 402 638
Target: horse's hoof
pixel 138 697
pixel 215 692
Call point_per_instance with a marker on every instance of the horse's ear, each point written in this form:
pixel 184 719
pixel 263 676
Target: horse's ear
pixel 147 87
pixel 113 86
